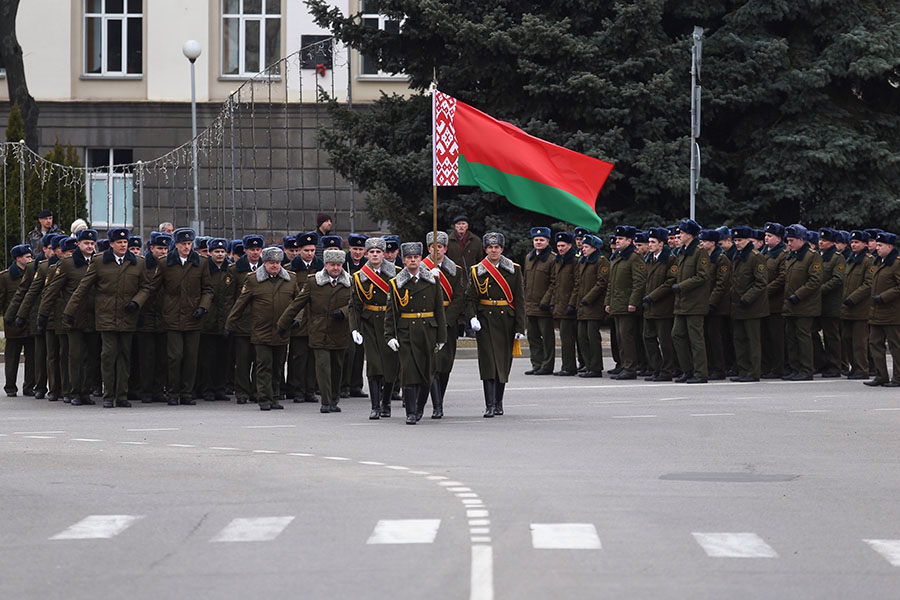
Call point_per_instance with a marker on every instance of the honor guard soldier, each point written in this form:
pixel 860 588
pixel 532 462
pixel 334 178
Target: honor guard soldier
pixel 153 364
pixel 538 274
pixel 352 383
pixel 772 327
pixel 27 313
pixel 244 371
pixel 210 380
pixel 415 328
pixel 802 302
pixel 627 277
pixel 591 280
pixel 857 305
pixel 495 296
pixel 57 341
pixel 266 294
pixel 449 277
pixel 301 371
pixel 659 305
pixel 749 304
pixel 562 300
pixel 368 307
pixel 118 283
pixel 693 283
pixel 833 271
pixel 18 339
pixel 326 298
pixel 184 284
pixel 884 322
pixel 716 321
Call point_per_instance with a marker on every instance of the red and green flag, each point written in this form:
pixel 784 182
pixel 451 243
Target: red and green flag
pixel 472 148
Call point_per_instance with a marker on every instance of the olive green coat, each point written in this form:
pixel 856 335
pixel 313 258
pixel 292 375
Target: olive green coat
pixel 694 277
pixel 658 287
pixel 803 277
pixel 452 311
pixel 223 286
pixel 858 287
pixel 10 281
pixel 886 284
pixel 320 300
pixel 12 311
pixel 720 296
pixel 562 285
pixel 112 287
pixel 627 278
pixel 591 281
pixel 775 266
pixel 184 289
pixel 28 308
pixel 538 273
pixel 380 360
pixel 749 279
pixel 833 273
pixel 265 299
pixel 150 319
pixel 69 273
pixel 239 273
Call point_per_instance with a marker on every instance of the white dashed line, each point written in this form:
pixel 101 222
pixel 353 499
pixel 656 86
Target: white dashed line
pixel 396 468
pixel 335 458
pixel 405 531
pixel 300 454
pixel 98 527
pixel 260 529
pixel 466 495
pixel 889 549
pixel 374 463
pixel 265 452
pixel 449 483
pixel 472 501
pixel 885 409
pixel 134 443
pixel 475 513
pixel 677 398
pixel 712 414
pixel 268 426
pixel 84 440
pixel 35 432
pixel 419 473
pixel 479 522
pixel 181 446
pixel 613 402
pixel 222 448
pixel 634 417
pixel 459 489
pixel 480 540
pixel 157 429
pixel 436 477
pixel 734 545
pixel 547 419
pixel 39 437
pixel 564 536
pixel 479 530
pixel 809 411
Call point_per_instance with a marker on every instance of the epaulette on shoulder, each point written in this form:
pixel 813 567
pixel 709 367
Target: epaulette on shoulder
pixel 515 264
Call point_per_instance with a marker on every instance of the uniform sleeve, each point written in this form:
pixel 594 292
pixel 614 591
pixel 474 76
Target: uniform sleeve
pixel 638 281
pixel 48 299
pixel 776 286
pixel 206 287
pixel 702 275
pixel 84 287
pixel 237 310
pixel 471 296
pixel 34 292
pixel 21 290
pixel 720 291
pixel 301 300
pixel 864 291
pixel 598 290
pixel 547 298
pixel 143 293
pixel 836 281
pixel 456 305
pixel 356 303
pixel 665 288
pixel 892 293
pixel 813 279
pixel 439 315
pixel 390 317
pixel 760 281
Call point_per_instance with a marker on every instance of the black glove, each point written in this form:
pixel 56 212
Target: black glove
pixel 676 288
pixel 647 300
pixel 131 307
pixel 877 299
pixel 42 324
pixel 198 314
pixel 744 302
pixel 68 319
pixel 544 307
pixel 793 299
pixel 583 303
pixel 460 330
pixel 848 302
pixel 226 333
pixel 571 311
pixel 140 322
pixel 295 324
pixel 337 315
pixel 552 307
pixel 281 331
pixel 20 323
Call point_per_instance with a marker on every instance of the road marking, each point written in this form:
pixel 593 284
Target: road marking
pixel 480 539
pixel 466 495
pixel 479 530
pixel 476 513
pixel 481 586
pixel 35 432
pixel 564 536
pixel 419 473
pixel 222 448
pixel 180 446
pixel 456 422
pixel 299 454
pixel 98 527
pixel 270 452
pixel 449 483
pixel 613 402
pixel 712 414
pixel 889 549
pixel 396 468
pixel 405 531
pixel 259 529
pixel 157 429
pixel 521 405
pixel 479 522
pixel 39 437
pixel 734 545
pixel 267 426
pixel 84 440
pixel 437 477
pixel 459 489
pixel 832 396
pixel 809 411
pixel 134 443
pixel 371 462
pixel 335 458
pixel 887 409
pixel 678 398
pixel 472 501
pixel 635 417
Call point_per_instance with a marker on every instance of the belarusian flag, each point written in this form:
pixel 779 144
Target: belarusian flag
pixel 472 148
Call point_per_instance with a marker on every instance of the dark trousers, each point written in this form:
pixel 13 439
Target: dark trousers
pixel 568 330
pixel 84 356
pixel 182 348
pixel 40 363
pixel 772 333
pixel 626 334
pixel 714 328
pixel 658 346
pixel 747 346
pixel 878 335
pixel 591 342
pixel 352 378
pixel 541 342
pixel 690 344
pixel 301 368
pixel 855 338
pixel 244 368
pixel 329 365
pixel 210 378
pixel 15 347
pixel 115 364
pixel 798 338
pixel 54 378
pixel 153 363
pixel 831 338
pixel 269 365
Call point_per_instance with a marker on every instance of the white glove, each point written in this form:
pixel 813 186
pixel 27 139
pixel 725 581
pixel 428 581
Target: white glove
pixel 357 337
pixel 475 324
pixel 520 336
pixel 394 345
pixel 436 271
pixel 438 346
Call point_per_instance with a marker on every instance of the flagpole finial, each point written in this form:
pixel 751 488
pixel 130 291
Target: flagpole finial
pixel 434 79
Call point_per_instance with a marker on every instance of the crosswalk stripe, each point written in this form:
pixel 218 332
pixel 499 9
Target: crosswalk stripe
pixel 405 531
pixel 564 536
pixel 734 545
pixel 889 549
pixel 259 529
pixel 98 527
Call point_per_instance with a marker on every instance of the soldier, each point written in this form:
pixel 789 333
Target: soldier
pixel 561 298
pixel 301 371
pixel 538 274
pixel 352 383
pixel 266 295
pixel 210 382
pixel 415 328
pixel 291 250
pixel 184 284
pixel 829 323
pixel 151 329
pixel 57 342
pixel 368 306
pixel 449 277
pixel 873 241
pixel 306 260
pixel 613 342
pixel 465 248
pixel 693 283
pixel 591 281
pixel 674 238
pixel 884 322
pixel 641 248
pixel 495 296
pixel 579 233
pixel 857 306
pixel 392 250
pixel 627 277
pixel 244 367
pixel 135 244
pixel 772 327
pixel 119 285
pixel 327 298
pixel 200 246
pixel 749 303
pixel 659 305
pixel 759 240
pixel 802 302
pixel 18 339
pixel 25 313
pixel 716 321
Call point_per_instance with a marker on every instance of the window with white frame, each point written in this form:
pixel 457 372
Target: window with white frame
pixel 110 187
pixel 251 36
pixel 368 64
pixel 113 37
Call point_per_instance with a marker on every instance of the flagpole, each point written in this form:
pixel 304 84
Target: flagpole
pixel 433 178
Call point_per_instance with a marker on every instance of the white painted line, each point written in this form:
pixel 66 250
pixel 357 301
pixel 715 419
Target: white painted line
pixel 676 398
pixel 405 531
pixel 268 452
pixel 459 489
pixel 396 468
pixel 564 536
pixel 481 586
pixel 449 483
pixel 635 417
pixel 712 414
pixel 480 539
pixel 134 443
pixel 479 530
pixel 222 448
pixel 157 429
pixel 335 458
pixel 466 495
pixel 887 409
pixel 436 477
pixel 4 435
pixel 613 402
pixel 84 440
pixel 267 426
pixel 479 522
pixel 299 454
pixel 419 473
pixel 35 432
pixel 98 527
pixel 259 529
pixel 734 545
pixel 889 549
pixel 474 513
pixel 39 437
pixel 809 411
pixel 371 462
pixel 472 502
pixel 180 446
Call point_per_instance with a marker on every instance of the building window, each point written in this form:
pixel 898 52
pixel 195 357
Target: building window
pixel 315 50
pixel 110 196
pixel 113 37
pixel 251 36
pixel 368 63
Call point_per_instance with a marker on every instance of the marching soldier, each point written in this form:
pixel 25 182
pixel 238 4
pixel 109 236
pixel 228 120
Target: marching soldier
pixel 802 302
pixel 884 323
pixel 26 307
pixel 749 303
pixel 449 277
pixel 833 271
pixel 857 305
pixel 495 297
pixel 591 280
pixel 266 295
pixel 244 368
pixel 326 298
pixel 210 382
pixel 135 244
pixel 392 250
pixel 538 274
pixel 693 282
pixel 368 307
pixel 674 239
pixel 352 383
pixel 301 371
pixel 415 328
pixel 627 277
pixel 561 297
pixel 659 305
pixel 18 339
pixel 716 322
pixel 151 329
pixel 291 250
pixel 57 341
pixel 772 327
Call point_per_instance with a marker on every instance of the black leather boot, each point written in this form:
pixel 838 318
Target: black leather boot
pixel 375 395
pixel 387 391
pixel 421 400
pixel 489 395
pixel 410 395
pixel 498 399
pixel 437 399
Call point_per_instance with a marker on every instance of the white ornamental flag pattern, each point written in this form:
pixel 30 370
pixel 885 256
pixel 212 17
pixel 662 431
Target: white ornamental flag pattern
pixel 445 147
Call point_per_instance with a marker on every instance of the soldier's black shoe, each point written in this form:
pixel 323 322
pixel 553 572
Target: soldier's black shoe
pixel 265 407
pixel 222 397
pixel 490 396
pixel 437 399
pixel 188 401
pixel 661 378
pixel 697 380
pixel 857 376
pixel 616 370
pixel 358 393
pixel 565 373
pixel 543 372
pixel 830 375
pixel 375 414
pixel 499 388
pixel 745 379
pixel 345 394
pixel 589 374
pixel 644 373
pixel 209 398
pixel 800 377
pixel 67 399
pixel 735 378
pixel 108 404
pixel 28 392
pixel 123 403
pixel 411 419
pixel 242 401
pixel 51 397
pixel 39 395
pixel 310 398
pixel 334 408
pixel 172 401
pixel 277 406
pixel 76 401
pixel 530 371
pixel 87 400
pixel 625 375
pixel 891 384
pixel 770 375
pixel 874 383
pixel 582 368
pixel 98 392
pixel 788 377
pixel 10 394
pixel 683 378
pixel 324 409
pixel 716 376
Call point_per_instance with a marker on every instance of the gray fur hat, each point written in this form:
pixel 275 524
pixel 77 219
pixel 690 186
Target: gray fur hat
pixel 410 248
pixel 334 256
pixel 376 242
pixel 272 254
pixel 443 239
pixel 493 237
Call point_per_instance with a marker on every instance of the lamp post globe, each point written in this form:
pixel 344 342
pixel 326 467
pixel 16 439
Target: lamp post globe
pixel 192 50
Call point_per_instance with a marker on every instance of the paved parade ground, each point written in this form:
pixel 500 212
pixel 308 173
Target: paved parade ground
pixel 586 488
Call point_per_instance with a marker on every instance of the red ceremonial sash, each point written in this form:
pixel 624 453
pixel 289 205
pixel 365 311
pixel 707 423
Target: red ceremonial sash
pixel 445 283
pixel 376 279
pixel 501 281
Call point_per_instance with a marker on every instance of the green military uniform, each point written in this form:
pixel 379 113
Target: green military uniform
pixel 210 376
pixel 454 303
pixel 36 367
pixel 301 371
pixel 244 367
pixel 352 379
pixel 565 308
pixel 802 303
pixel 627 278
pixel 119 286
pixel 659 306
pixel 538 271
pixel 884 322
pixel 591 281
pixel 57 340
pixel 46 362
pixel 693 282
pixel 749 304
pixel 833 272
pixel 18 339
pixel 153 365
pixel 855 311
pixel 772 327
pixel 716 322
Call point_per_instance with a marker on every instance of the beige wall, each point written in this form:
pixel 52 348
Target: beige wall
pixel 170 23
pixel 45 46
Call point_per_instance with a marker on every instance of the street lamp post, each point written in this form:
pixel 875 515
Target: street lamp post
pixel 192 50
